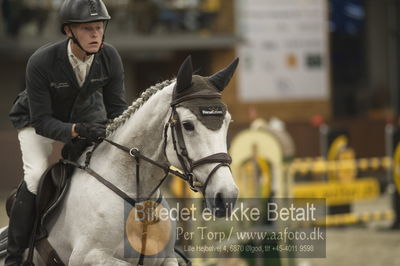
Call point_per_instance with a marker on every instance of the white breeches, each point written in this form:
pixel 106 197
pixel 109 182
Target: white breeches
pixel 35 150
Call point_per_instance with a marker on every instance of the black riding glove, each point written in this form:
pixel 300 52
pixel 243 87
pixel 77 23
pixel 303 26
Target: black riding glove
pixel 74 148
pixel 91 131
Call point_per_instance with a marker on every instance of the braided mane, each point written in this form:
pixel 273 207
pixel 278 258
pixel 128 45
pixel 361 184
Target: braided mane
pixel 144 97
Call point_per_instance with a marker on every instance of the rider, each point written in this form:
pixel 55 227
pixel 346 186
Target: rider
pixel 72 88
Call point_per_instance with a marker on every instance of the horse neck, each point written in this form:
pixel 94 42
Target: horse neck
pixel 144 131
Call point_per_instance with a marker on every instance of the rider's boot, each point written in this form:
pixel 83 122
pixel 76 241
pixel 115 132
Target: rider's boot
pixel 21 224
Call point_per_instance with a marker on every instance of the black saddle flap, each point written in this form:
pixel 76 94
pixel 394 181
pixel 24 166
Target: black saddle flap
pixel 52 187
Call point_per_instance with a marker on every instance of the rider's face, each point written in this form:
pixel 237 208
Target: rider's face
pixel 89 35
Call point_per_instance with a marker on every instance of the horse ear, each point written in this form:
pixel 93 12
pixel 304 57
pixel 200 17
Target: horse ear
pixel 184 78
pixel 222 77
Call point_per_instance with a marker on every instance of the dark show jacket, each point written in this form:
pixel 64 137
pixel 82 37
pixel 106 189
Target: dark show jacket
pixel 53 100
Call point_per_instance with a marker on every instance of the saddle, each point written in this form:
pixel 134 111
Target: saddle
pixel 52 188
pixel 54 183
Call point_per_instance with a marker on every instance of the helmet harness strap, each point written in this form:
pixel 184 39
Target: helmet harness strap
pixel 75 40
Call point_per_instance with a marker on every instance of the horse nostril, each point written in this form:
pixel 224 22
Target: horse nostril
pixel 219 200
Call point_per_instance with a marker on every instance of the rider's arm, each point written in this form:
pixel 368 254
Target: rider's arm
pixel 38 87
pixel 114 91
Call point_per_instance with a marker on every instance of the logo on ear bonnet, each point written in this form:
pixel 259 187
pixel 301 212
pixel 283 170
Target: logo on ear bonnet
pixel 211 111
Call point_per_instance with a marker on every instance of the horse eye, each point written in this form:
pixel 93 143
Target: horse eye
pixel 188 126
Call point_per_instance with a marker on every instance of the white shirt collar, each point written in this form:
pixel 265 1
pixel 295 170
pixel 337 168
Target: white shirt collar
pixel 75 61
pixel 80 68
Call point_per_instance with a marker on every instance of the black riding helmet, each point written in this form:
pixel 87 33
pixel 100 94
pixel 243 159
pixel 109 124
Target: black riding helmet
pixel 82 11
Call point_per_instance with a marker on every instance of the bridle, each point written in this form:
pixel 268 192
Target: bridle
pixel 188 165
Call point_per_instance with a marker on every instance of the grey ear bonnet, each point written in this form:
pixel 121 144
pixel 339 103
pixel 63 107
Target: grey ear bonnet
pixel 210 112
pixel 202 95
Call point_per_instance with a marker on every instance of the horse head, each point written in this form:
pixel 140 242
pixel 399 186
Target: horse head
pixel 197 141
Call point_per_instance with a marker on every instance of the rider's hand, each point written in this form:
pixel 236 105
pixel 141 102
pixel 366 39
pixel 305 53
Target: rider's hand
pixel 94 132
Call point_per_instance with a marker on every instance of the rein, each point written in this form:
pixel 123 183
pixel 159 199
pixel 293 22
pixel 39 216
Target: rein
pixel 188 165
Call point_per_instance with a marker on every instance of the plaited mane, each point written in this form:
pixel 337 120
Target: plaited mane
pixel 144 97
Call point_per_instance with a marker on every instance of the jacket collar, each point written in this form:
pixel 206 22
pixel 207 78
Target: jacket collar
pixel 62 50
pixel 62 54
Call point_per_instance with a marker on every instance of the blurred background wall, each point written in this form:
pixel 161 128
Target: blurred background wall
pixel 154 36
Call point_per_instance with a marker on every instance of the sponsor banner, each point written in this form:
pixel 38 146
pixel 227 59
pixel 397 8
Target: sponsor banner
pixel 284 50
